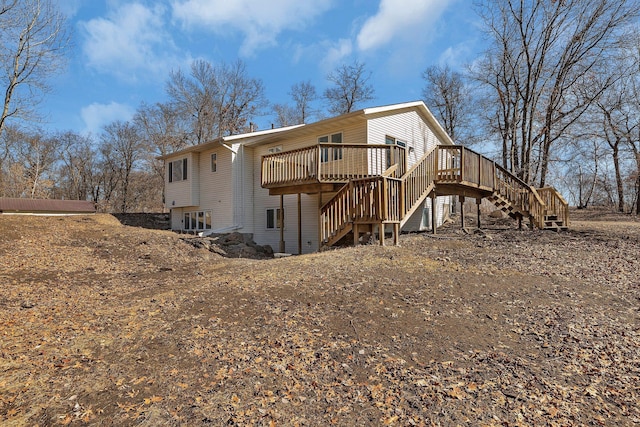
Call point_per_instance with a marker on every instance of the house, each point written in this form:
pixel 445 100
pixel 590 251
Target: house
pixel 370 172
pixel 23 206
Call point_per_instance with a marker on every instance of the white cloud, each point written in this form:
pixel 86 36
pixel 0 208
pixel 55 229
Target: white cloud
pixel 68 7
pixel 455 56
pixel 407 19
pixel 260 21
pixel 96 115
pixel 130 42
pixel 336 53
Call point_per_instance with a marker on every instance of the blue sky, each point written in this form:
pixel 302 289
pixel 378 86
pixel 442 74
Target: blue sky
pixel 124 50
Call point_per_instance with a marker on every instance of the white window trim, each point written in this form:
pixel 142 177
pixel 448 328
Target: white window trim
pixel 184 165
pixel 396 141
pixel 336 153
pixel 196 215
pixel 214 162
pixel 275 219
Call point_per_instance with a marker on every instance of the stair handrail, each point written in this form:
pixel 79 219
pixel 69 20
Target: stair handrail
pixel 421 176
pixel 386 198
pixel 555 203
pixel 525 198
pixel 336 212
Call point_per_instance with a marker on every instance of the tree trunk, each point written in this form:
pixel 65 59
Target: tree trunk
pixel 619 183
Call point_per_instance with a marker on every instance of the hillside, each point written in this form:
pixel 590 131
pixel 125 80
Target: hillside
pixel 103 324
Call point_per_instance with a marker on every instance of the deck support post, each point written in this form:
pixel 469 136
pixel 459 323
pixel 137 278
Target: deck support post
pixel 356 234
pixel 381 233
pixel 299 224
pixel 396 234
pixel 462 211
pixel 319 220
pixel 434 213
pixel 281 223
pixel 519 222
pixel 478 203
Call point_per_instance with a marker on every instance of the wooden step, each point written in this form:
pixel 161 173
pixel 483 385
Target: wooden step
pixel 554 225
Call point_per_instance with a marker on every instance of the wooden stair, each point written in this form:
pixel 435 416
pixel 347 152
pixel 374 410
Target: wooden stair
pixel 446 170
pixel 505 206
pixel 552 222
pixel 336 236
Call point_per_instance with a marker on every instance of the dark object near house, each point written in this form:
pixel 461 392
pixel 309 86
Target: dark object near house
pixel 45 206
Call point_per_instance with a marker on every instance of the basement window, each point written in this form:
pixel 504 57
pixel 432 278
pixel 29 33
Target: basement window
pixel 197 220
pixel 275 218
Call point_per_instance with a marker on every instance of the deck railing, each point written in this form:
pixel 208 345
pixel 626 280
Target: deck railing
pixel 376 193
pixel 476 169
pixel 331 163
pixel 555 203
pixel 373 200
pixel 513 189
pixel 418 180
pixel 336 213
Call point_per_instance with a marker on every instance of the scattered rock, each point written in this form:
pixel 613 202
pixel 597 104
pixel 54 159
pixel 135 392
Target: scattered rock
pixel 231 245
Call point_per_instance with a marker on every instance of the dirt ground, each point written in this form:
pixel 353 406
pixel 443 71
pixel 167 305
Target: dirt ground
pixel 106 324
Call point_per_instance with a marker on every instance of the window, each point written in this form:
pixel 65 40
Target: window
pixel 336 153
pixel 274 218
pixel 178 170
pixel 187 221
pixel 392 157
pixel 200 220
pixel 214 162
pixel 389 140
pixel 207 220
pixel 197 220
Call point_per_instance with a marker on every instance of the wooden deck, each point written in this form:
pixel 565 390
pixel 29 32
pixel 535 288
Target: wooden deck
pixel 373 186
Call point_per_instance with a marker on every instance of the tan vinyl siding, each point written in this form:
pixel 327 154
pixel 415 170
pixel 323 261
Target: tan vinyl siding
pixel 354 134
pixel 244 163
pixel 176 219
pixel 408 127
pixel 183 193
pixel 309 230
pixel 216 187
pixel 195 178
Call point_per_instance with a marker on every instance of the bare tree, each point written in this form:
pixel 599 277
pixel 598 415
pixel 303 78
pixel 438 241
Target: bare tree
pixel 122 149
pixel 161 130
pixel 303 95
pixel 28 168
pixel 447 93
pixel 615 133
pixel 33 42
pixel 78 170
pixel 539 52
pixel 350 89
pixel 285 115
pixel 215 100
pixel 582 168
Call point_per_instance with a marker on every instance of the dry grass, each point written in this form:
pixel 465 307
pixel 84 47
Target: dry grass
pixel 105 324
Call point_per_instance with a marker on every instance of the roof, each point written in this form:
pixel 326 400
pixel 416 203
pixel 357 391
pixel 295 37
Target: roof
pixel 46 206
pixel 271 135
